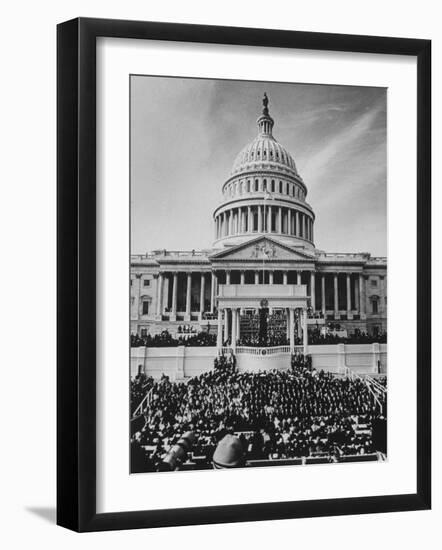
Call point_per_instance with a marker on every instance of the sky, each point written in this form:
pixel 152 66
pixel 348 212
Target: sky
pixel 186 133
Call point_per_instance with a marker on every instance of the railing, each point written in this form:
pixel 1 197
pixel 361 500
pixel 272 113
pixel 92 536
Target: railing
pixel 260 352
pixel 374 387
pixel 145 403
pixel 169 253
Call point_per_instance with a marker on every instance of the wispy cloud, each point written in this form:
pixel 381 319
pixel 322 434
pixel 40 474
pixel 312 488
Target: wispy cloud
pixel 320 162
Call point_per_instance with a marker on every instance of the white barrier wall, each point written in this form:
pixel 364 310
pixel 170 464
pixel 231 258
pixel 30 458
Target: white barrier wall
pixel 182 362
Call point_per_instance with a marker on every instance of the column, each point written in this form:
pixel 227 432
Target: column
pixel 249 219
pixel 289 222
pixel 305 227
pixel 356 283
pixel 335 287
pixel 287 314
pixel 291 329
pixel 280 220
pixel 213 292
pixel 188 295
pixel 219 339
pixel 234 326
pixel 174 293
pixel 256 277
pixel 226 325
pixel 242 278
pixel 269 220
pixel 284 277
pixel 382 295
pixel 137 307
pixel 230 222
pixel 297 232
pixel 259 220
pixel 312 291
pixel 304 331
pixel 298 278
pixel 348 296
pixel 270 277
pixel 323 294
pixel 160 294
pixel 202 293
pixel 238 324
pixel 361 295
pixel 228 277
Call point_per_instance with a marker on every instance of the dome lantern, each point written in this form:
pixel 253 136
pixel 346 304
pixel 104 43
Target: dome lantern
pixel 265 121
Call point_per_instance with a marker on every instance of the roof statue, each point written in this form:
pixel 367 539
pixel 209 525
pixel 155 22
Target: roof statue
pixel 265 102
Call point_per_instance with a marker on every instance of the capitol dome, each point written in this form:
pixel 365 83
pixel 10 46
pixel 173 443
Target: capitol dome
pixel 264 150
pixel 264 193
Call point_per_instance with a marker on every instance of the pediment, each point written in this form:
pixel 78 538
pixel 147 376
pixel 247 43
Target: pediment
pixel 262 248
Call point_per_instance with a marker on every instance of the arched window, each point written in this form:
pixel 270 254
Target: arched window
pixel 375 305
pixel 248 186
pixel 273 186
pixel 256 185
pixel 264 186
pixel 280 186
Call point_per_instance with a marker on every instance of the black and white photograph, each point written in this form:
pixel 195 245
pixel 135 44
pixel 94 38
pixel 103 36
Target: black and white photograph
pixel 258 274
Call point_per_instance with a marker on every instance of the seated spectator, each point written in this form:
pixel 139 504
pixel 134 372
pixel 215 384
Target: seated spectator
pixel 277 414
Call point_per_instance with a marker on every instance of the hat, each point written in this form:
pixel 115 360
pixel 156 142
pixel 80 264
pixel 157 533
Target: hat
pixel 229 453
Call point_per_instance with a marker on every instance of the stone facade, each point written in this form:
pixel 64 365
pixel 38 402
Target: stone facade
pixel 263 235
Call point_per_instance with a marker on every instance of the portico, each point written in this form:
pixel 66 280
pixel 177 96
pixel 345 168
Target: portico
pixel 233 299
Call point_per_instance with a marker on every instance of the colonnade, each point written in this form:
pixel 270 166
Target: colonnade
pixel 264 218
pixel 317 298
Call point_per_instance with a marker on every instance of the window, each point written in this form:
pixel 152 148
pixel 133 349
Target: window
pixel 143 332
pixel 131 282
pixel 273 186
pixel 146 282
pixel 256 185
pixel 374 306
pixel 145 308
pixel 374 282
pixel 265 185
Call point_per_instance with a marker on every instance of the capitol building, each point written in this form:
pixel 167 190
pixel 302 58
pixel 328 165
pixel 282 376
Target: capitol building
pixel 262 262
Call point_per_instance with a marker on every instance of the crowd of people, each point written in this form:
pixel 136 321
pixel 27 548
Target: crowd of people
pixel 166 340
pixel 277 414
pixel 273 340
pixel 316 338
pixel 187 336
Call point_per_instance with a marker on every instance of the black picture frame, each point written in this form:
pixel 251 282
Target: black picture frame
pixel 76 274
